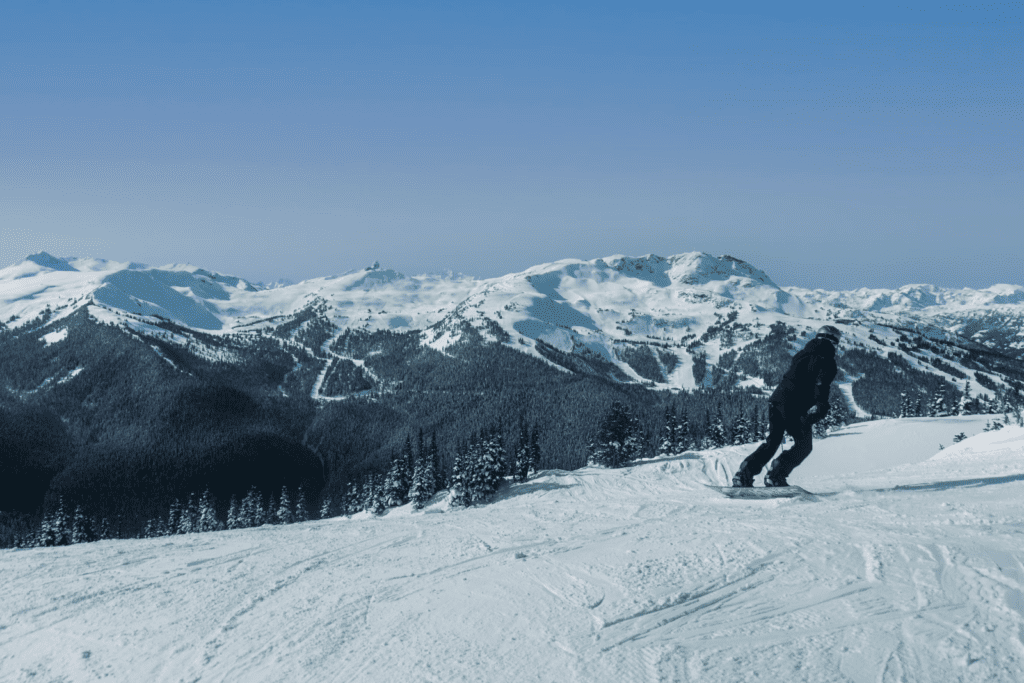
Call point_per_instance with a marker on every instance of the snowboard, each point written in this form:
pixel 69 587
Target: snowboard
pixel 761 492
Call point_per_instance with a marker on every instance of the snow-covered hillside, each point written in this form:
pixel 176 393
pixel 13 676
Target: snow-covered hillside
pixel 646 319
pixel 914 573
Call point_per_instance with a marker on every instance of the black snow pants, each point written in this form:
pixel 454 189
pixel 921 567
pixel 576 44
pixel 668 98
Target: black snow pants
pixel 781 419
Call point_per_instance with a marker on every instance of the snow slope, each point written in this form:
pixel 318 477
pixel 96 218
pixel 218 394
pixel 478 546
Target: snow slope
pixel 640 574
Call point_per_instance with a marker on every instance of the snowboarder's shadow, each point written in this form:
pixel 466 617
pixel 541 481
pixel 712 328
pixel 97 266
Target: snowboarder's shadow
pixel 958 483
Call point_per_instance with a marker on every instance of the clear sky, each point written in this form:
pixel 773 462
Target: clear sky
pixel 836 147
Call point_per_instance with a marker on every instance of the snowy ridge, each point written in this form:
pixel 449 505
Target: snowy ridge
pixel 910 573
pixel 645 318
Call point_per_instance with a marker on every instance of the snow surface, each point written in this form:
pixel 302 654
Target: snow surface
pixel 642 574
pixel 54 337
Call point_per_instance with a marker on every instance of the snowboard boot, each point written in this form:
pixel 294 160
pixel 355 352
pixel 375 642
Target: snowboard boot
pixel 774 477
pixel 742 479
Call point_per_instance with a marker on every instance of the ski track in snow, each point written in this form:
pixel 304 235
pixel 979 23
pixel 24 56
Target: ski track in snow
pixel 639 574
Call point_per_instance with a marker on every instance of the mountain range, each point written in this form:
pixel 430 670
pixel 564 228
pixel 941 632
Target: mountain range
pixel 117 376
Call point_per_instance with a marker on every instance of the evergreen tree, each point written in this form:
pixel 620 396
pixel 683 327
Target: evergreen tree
pixel 354 501
pixel 716 434
pixel 616 442
pixel 206 516
pixel 61 524
pixel 959 437
pixel 396 485
pixel 187 522
pixel 458 492
pixel 379 495
pixel 284 509
pixel 438 481
pixel 682 440
pixel 489 469
pixel 103 531
pixel 248 515
pixel 521 463
pixel 174 517
pixel 79 527
pixel 233 520
pixel 635 443
pixel 938 405
pixel 756 427
pixel 668 433
pixel 903 404
pixel 369 493
pixel 534 451
pixel 963 407
pixel 325 507
pixel 741 431
pixel 301 511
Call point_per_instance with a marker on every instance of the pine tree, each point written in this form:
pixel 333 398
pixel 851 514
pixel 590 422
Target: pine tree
pixel 233 521
pixel 938 406
pixel 490 468
pixel 396 485
pixel 668 433
pixel 903 404
pixel 53 530
pixel 206 515
pixel 174 517
pixel 284 509
pixel 247 511
pixel 355 500
pixel 534 451
pixel 741 431
pixel 458 492
pixel 378 496
pixel 716 434
pixel 325 507
pixel 61 524
pixel 615 443
pixel 635 443
pixel 189 520
pixel 682 439
pixel 301 511
pixel 521 463
pixel 963 407
pixel 103 531
pixel 438 481
pixel 472 472
pixel 79 527
pixel 418 492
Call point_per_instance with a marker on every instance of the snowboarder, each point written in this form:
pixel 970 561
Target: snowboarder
pixel 800 400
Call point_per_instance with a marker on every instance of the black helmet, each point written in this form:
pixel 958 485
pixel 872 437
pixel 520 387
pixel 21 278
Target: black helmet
pixel 833 334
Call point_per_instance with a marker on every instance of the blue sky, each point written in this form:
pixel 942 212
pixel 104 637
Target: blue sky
pixel 835 147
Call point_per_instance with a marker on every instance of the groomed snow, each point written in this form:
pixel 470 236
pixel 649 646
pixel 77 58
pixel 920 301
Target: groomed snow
pixel 913 573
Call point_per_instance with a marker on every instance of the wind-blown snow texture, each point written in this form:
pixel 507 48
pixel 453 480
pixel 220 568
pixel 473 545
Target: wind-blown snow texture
pixel 642 574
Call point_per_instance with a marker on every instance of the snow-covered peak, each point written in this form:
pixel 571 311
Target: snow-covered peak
pixel 698 268
pixel 48 261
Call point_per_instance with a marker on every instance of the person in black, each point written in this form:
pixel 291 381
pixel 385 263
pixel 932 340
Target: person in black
pixel 800 400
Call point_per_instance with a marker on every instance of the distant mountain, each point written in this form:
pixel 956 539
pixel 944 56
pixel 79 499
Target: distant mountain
pixel 206 377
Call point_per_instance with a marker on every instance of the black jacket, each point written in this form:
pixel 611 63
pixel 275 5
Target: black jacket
pixel 808 380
